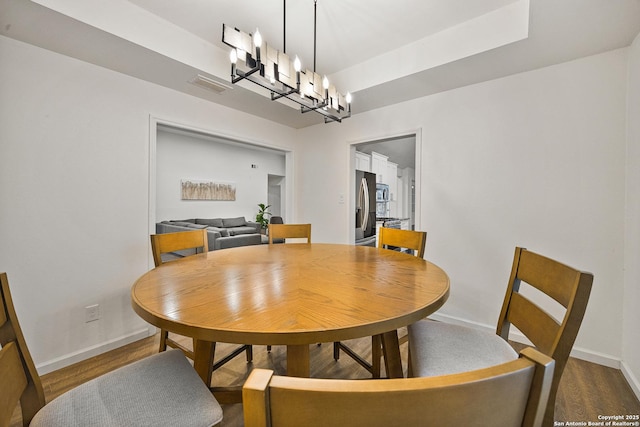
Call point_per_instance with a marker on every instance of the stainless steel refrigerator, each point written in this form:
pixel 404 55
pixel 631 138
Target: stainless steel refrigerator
pixel 365 208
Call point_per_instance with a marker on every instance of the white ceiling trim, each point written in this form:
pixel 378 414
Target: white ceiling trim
pixel 500 27
pixel 136 25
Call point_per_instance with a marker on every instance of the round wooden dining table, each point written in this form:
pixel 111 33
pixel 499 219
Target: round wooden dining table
pixel 290 294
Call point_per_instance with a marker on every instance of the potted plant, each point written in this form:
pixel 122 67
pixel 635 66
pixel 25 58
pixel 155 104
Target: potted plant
pixel 262 215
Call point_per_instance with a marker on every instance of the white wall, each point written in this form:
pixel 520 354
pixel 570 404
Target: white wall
pixel 74 191
pixel 631 337
pixel 180 157
pixel 536 160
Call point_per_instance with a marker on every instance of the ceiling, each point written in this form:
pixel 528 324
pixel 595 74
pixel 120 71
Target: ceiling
pixel 347 32
pixel 383 52
pixel 400 150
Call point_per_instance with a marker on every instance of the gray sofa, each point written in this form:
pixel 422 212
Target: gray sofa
pixel 222 232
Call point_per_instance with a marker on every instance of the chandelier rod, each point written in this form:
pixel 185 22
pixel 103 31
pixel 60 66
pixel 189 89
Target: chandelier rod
pixel 315 31
pixel 315 20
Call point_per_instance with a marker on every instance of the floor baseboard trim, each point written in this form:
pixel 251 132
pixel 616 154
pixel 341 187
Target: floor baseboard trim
pixel 86 353
pixel 631 379
pixel 577 352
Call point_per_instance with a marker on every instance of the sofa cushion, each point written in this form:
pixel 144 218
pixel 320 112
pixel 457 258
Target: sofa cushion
pixel 215 222
pixel 193 221
pixel 235 231
pixel 234 222
pixel 223 231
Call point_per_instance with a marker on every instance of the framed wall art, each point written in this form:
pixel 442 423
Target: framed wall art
pixel 207 190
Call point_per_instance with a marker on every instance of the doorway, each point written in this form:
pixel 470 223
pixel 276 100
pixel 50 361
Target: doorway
pixel 275 195
pixel 261 160
pixel 400 174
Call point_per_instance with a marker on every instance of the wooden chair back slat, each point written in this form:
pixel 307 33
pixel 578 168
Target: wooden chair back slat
pixel 512 394
pixel 544 274
pixel 414 240
pixel 286 231
pixel 534 323
pixel 20 380
pixel 172 242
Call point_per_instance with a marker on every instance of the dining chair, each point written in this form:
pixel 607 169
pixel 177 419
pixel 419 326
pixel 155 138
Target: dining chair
pixel 388 238
pixel 511 394
pixel 171 243
pixel 287 231
pixel 162 390
pixel 438 348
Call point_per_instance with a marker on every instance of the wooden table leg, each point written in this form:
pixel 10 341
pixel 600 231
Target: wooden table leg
pixel 391 350
pixel 298 361
pixel 203 359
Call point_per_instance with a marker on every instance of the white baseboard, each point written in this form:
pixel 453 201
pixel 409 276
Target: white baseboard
pixel 579 353
pixel 70 359
pixel 631 379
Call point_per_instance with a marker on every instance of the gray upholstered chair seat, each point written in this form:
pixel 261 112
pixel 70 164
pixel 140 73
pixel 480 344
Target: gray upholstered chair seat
pixel 443 349
pixel 161 390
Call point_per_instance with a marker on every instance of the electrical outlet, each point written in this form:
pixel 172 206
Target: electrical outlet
pixel 91 313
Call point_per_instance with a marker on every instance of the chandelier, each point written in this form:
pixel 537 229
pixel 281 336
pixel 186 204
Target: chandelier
pixel 254 60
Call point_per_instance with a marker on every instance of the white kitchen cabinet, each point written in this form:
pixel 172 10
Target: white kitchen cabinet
pixel 363 162
pixel 391 179
pixel 379 166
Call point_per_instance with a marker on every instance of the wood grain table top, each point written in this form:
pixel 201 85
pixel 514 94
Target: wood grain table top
pixel 290 294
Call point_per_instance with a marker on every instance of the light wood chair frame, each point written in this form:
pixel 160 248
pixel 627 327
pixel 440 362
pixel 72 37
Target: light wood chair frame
pixel 416 241
pixel 567 286
pixel 409 239
pixel 551 337
pixel 17 370
pixel 509 395
pixel 286 231
pixel 173 242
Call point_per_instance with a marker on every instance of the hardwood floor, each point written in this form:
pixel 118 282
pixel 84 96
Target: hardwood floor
pixel 587 390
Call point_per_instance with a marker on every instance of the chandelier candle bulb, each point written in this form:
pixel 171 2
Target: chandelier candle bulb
pixel 257 41
pixel 325 86
pixel 297 66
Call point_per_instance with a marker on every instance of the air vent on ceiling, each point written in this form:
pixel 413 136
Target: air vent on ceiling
pixel 209 84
